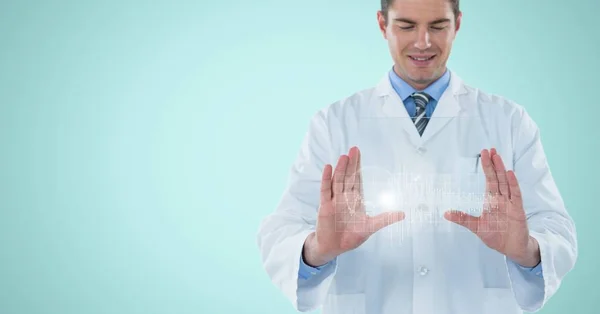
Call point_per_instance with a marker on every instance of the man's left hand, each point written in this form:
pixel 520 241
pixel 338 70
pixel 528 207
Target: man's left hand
pixel 502 224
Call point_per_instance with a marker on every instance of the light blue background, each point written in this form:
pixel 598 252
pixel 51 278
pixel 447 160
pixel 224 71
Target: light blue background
pixel 141 142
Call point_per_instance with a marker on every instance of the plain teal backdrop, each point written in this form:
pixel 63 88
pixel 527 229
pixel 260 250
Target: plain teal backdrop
pixel 141 142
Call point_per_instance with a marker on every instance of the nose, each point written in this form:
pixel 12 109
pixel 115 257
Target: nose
pixel 423 41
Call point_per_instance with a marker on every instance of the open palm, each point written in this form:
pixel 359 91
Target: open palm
pixel 342 222
pixel 502 225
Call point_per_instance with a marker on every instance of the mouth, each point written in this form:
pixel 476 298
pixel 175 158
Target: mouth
pixel 421 60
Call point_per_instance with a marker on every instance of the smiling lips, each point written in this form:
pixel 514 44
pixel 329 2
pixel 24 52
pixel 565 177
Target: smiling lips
pixel 421 60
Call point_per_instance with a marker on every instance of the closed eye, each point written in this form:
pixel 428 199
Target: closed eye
pixel 437 28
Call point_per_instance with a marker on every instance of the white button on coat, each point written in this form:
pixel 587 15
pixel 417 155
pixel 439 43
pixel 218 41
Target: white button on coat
pixel 379 277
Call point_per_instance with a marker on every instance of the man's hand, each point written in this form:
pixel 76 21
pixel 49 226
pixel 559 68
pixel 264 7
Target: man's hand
pixel 502 225
pixel 342 222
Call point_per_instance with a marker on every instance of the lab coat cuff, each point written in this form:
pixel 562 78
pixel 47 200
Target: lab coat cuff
pixel 311 289
pixel 530 286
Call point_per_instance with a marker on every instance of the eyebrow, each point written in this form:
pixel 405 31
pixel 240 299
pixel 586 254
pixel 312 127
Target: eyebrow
pixel 409 21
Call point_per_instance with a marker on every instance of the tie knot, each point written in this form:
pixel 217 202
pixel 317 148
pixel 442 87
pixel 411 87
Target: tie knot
pixel 421 98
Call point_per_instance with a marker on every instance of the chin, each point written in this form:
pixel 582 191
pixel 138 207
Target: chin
pixel 423 78
pixel 424 75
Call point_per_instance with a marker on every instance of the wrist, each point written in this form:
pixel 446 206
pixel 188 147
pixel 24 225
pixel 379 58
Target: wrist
pixel 532 256
pixel 310 252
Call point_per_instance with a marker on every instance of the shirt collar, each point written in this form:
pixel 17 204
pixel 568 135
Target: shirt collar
pixel 435 90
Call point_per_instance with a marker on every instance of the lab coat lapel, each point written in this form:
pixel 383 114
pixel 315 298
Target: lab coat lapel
pixel 393 108
pixel 446 109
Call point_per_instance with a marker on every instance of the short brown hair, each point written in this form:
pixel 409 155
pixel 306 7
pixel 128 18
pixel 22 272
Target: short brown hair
pixel 385 4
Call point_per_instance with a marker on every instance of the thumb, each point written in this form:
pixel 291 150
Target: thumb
pixel 461 218
pixel 383 220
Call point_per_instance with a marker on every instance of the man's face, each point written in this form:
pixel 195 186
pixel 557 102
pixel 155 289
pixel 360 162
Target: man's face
pixel 420 34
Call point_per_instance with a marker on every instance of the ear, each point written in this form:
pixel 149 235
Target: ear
pixel 382 23
pixel 458 21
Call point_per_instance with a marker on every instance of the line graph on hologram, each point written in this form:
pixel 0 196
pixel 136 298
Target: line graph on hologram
pixel 422 197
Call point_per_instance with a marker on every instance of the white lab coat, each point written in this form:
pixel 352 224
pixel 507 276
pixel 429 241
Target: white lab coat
pixel 423 264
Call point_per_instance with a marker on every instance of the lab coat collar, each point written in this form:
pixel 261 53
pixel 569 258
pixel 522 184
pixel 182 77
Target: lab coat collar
pixel 446 109
pixel 434 90
pixel 384 88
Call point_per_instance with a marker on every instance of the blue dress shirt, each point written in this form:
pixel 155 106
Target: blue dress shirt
pixel 435 90
pixel 404 90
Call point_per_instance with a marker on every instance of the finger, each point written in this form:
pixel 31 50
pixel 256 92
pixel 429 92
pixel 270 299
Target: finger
pixel 491 180
pixel 383 220
pixel 358 184
pixel 500 173
pixel 326 181
pixel 515 190
pixel 350 176
pixel 355 202
pixel 461 218
pixel 338 175
pixel 488 201
pixel 493 203
pixel 515 209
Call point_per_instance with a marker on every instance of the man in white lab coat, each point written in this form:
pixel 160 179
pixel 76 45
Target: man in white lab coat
pixel 420 195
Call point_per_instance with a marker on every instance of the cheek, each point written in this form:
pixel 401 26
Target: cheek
pixel 443 41
pixel 397 43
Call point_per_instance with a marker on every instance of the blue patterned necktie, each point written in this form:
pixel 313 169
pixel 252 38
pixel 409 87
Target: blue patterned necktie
pixel 421 99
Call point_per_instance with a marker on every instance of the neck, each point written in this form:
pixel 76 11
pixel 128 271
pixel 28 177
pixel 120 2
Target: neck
pixel 418 85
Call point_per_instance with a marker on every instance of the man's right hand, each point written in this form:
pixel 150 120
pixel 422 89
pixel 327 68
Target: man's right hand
pixel 342 222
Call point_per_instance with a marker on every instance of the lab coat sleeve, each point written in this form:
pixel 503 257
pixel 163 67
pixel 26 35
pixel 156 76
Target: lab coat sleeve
pixel 548 220
pixel 281 234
